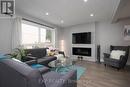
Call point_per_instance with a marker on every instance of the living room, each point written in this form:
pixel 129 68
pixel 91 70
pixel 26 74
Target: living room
pixel 81 32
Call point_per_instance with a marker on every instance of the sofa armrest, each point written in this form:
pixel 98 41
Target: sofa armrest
pixel 31 62
pixel 122 57
pixel 106 55
pixel 68 80
pixel 46 60
pixel 43 70
pixel 31 57
pixel 72 75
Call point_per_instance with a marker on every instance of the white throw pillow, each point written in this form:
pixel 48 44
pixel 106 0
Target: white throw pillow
pixel 115 54
pixel 59 56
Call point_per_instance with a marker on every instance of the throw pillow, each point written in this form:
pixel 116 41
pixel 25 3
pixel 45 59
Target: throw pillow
pixel 115 54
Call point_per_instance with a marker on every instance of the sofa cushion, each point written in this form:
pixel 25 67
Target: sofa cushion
pixel 113 62
pixel 22 75
pixel 115 54
pixel 38 52
pixel 51 78
pixel 46 60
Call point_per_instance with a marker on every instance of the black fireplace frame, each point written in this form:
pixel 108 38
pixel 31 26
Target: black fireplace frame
pixel 82 51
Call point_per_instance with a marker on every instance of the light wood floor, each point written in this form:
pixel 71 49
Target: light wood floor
pixel 97 75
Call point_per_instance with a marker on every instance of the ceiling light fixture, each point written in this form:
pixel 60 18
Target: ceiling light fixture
pixel 47 13
pixel 85 0
pixel 62 21
pixel 91 15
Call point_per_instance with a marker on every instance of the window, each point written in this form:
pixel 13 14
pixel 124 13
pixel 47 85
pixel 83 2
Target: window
pixel 37 36
pixel 29 34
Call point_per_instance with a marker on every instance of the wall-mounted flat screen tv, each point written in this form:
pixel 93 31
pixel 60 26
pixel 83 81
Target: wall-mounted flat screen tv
pixel 81 38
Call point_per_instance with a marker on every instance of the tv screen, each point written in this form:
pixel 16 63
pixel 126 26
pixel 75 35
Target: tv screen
pixel 81 38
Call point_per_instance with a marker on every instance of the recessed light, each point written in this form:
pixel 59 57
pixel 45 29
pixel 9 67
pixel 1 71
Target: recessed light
pixel 85 0
pixel 91 15
pixel 62 21
pixel 47 13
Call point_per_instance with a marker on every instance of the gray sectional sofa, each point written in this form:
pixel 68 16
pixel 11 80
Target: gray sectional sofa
pixel 19 74
pixel 40 55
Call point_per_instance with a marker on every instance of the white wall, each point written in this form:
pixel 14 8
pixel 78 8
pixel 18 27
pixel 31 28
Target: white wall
pixel 58 37
pixel 23 15
pixel 105 34
pixel 6 26
pixel 110 34
pixel 66 35
pixel 5 35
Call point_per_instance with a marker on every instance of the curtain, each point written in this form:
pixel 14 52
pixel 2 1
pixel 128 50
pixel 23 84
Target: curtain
pixel 16 33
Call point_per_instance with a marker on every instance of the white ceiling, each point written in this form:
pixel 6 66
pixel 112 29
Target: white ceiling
pixel 71 11
pixel 123 11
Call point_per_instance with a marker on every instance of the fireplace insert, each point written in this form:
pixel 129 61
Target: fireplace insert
pixel 81 51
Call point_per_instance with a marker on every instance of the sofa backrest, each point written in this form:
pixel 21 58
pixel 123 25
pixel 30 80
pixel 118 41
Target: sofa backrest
pixel 37 52
pixel 18 74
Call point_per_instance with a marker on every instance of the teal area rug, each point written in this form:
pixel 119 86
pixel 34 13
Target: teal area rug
pixel 2 57
pixel 36 66
pixel 64 70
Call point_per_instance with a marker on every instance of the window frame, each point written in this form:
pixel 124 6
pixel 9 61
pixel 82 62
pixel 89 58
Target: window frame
pixel 53 36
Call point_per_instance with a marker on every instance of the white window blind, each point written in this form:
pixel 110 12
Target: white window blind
pixel 37 36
